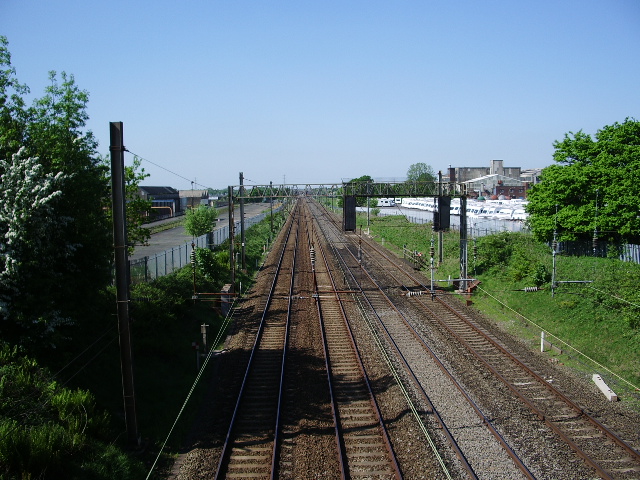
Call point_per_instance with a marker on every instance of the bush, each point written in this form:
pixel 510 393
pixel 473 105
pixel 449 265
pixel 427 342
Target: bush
pixel 47 431
pixel 540 275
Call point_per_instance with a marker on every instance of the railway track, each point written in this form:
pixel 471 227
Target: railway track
pixel 364 447
pixel 601 448
pixel 609 455
pixel 349 377
pixel 251 446
pixel 458 418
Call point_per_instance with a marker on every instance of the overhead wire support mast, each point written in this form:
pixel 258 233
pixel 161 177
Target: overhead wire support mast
pixel 122 279
pixel 242 234
pixel 351 190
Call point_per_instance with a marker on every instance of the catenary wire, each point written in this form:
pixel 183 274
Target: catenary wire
pixel 222 329
pixel 614 296
pixel 108 330
pixel 167 170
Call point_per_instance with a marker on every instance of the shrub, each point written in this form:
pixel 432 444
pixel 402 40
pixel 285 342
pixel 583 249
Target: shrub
pixel 47 431
pixel 540 275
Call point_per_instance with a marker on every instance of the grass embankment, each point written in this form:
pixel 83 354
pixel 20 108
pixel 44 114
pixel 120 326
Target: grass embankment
pixel 166 226
pixel 596 325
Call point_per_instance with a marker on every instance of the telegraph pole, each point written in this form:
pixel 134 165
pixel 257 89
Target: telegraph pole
pixel 463 242
pixel 271 208
pixel 242 237
pixel 232 236
pixel 440 232
pixel 122 279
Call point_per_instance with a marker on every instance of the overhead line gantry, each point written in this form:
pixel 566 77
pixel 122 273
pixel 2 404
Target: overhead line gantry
pixel 351 190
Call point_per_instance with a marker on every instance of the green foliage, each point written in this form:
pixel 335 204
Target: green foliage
pixel 12 105
pixel 421 172
pixel 47 431
pixel 65 259
pixel 360 201
pixel 594 186
pixel 26 195
pixel 154 305
pixel 138 209
pixel 200 221
pixel 212 265
pixel 55 135
pixel 56 256
pixel 517 257
pixel 540 275
pixel 518 266
pixel 168 298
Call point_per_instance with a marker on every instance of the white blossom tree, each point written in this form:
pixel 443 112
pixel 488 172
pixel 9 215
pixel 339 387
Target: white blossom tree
pixel 57 237
pixel 26 220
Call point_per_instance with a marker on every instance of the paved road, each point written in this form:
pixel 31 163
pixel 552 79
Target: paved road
pixel 167 239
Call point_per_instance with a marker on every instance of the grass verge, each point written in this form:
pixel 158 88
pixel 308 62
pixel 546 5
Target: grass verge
pixel 594 327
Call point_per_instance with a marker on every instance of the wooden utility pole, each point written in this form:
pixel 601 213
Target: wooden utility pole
pixel 122 279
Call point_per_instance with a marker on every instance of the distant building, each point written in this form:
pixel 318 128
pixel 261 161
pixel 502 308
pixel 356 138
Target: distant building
pixel 496 179
pixel 496 167
pixel 531 175
pixel 490 185
pixel 165 201
pixel 193 198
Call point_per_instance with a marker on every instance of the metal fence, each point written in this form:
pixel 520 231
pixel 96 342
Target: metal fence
pixel 479 228
pixel 626 252
pixel 149 268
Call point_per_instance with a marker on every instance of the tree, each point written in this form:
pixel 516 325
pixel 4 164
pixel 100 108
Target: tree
pixel 595 187
pixel 74 251
pixel 26 197
pixel 137 207
pixel 361 201
pixel 12 106
pixel 55 134
pixel 200 221
pixel 421 172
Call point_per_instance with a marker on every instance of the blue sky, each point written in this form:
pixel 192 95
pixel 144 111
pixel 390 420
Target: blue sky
pixel 321 91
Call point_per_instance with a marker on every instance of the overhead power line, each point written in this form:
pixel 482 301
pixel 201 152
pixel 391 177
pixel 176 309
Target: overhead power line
pixel 167 170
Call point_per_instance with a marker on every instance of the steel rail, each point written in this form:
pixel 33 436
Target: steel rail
pixel 332 400
pixel 276 439
pixel 376 408
pixel 635 455
pixel 347 269
pixel 496 434
pixel 425 397
pixel 225 454
pixel 558 394
pixel 507 448
pixel 528 403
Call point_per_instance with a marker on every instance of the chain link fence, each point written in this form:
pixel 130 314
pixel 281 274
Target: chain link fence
pixel 149 268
